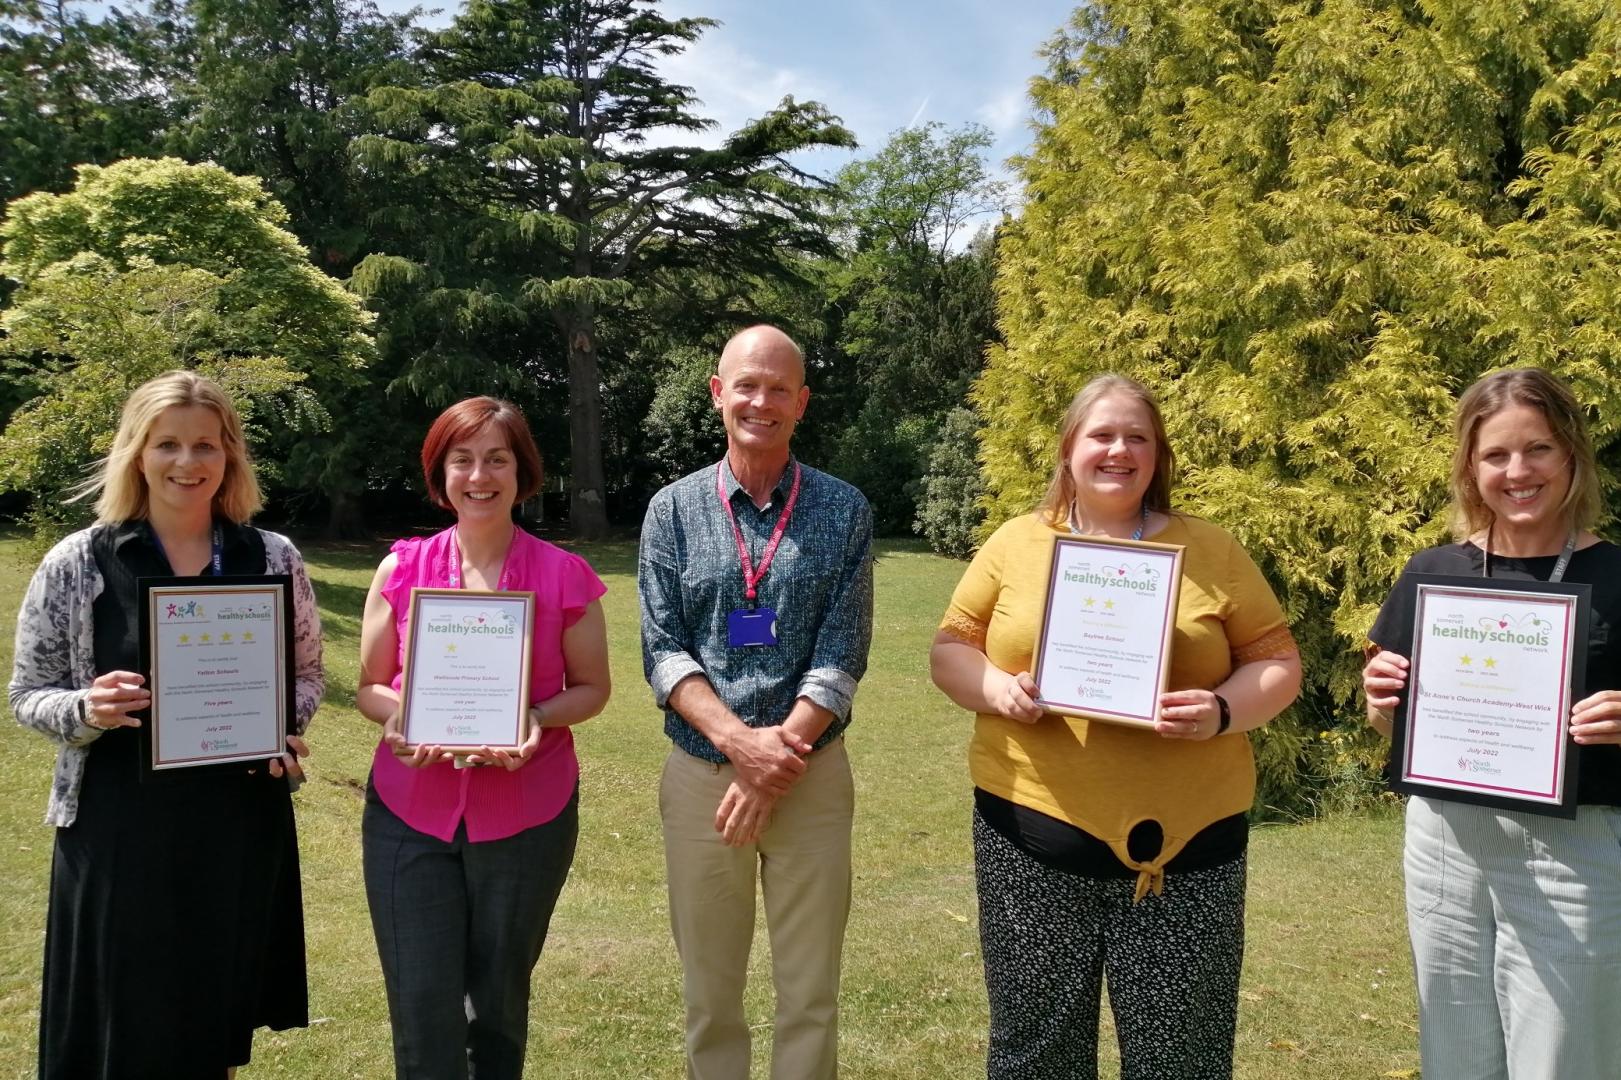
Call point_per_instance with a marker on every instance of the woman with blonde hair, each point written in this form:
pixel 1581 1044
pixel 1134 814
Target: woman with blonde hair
pixel 1515 918
pixel 175 924
pixel 1102 849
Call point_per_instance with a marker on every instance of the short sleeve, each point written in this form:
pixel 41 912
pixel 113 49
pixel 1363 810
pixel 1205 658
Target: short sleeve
pixel 968 615
pixel 1256 626
pixel 578 586
pixel 1392 629
pixel 398 586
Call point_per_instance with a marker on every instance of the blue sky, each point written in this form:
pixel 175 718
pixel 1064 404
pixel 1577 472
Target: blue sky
pixel 881 65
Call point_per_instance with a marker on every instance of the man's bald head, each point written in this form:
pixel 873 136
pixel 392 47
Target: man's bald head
pixel 762 344
pixel 759 389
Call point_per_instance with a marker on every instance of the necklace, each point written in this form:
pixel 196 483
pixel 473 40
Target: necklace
pixel 1075 517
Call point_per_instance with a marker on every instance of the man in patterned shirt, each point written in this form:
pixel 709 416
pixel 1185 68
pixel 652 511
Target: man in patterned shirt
pixel 755 579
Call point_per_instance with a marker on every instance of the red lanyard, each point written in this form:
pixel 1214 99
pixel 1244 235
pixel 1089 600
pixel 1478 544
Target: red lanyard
pixel 751 576
pixel 453 563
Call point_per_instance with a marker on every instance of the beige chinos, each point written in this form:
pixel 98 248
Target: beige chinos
pixel 802 861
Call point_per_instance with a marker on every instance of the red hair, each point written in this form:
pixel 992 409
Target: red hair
pixel 467 420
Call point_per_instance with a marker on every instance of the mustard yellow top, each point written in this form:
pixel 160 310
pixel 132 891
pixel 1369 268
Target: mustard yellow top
pixel 1106 778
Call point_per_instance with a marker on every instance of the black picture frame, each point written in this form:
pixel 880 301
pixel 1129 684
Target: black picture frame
pixel 1581 613
pixel 203 586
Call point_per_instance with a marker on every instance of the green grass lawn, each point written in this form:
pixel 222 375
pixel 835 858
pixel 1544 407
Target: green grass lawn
pixel 1327 984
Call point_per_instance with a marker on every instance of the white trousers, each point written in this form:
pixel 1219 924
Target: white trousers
pixel 1515 921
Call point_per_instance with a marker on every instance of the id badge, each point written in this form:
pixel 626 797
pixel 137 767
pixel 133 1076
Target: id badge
pixel 751 626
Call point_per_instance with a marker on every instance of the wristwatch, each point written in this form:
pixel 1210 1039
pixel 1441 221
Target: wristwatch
pixel 1226 715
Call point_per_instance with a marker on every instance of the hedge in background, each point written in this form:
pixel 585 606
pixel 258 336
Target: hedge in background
pixel 1307 227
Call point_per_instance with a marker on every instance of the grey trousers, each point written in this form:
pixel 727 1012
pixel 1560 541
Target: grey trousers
pixel 1515 921
pixel 459 929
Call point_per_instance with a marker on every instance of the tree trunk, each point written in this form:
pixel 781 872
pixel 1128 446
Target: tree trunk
pixel 344 520
pixel 588 508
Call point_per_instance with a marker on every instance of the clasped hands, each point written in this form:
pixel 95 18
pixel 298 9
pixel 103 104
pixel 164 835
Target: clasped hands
pixel 116 694
pixel 1593 720
pixel 1183 714
pixel 769 762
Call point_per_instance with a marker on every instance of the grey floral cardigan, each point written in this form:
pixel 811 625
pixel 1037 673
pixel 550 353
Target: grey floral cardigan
pixel 55 656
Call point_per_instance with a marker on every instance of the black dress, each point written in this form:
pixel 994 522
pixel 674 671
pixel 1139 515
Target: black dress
pixel 176 922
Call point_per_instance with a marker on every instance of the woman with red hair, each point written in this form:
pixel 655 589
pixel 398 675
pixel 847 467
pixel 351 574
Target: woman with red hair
pixel 465 857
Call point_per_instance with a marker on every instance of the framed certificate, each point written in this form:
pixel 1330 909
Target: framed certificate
pixel 217 658
pixel 1487 714
pixel 466 680
pixel 1105 640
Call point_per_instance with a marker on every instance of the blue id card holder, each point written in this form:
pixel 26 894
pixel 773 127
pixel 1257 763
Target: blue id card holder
pixel 751 626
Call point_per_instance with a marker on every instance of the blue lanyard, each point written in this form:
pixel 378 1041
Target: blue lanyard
pixel 216 560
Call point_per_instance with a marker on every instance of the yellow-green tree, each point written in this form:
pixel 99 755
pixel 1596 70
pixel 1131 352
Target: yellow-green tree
pixel 1307 227
pixel 148 265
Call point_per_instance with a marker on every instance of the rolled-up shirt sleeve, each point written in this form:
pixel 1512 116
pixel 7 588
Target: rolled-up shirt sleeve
pixel 840 658
pixel 666 654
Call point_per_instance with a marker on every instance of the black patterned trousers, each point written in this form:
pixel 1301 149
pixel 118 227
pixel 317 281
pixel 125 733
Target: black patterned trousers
pixel 1051 938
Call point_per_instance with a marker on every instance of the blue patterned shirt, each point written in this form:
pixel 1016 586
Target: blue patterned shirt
pixel 690 579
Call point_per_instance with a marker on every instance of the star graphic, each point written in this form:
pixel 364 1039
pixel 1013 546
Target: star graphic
pixel 225 636
pixel 206 639
pixel 247 635
pixel 185 639
pixel 1108 605
pixel 1490 662
pixel 1090 600
pixel 1465 660
pixel 450 648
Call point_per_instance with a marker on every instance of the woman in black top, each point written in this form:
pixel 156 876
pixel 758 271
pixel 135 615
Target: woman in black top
pixel 1515 918
pixel 175 925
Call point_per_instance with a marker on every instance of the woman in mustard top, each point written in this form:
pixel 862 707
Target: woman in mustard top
pixel 1098 847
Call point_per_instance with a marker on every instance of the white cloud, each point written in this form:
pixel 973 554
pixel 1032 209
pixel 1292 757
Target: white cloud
pixel 1004 113
pixel 732 86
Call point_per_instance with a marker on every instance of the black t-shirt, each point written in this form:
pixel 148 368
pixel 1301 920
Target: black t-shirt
pixel 1598 775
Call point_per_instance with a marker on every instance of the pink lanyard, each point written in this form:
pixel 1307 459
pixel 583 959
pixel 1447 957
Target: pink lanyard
pixel 453 563
pixel 751 576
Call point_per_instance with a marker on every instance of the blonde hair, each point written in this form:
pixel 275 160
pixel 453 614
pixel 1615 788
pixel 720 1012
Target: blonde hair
pixel 1536 389
pixel 120 482
pixel 1055 504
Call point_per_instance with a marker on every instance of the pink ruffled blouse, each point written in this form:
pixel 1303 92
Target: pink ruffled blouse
pixel 494 802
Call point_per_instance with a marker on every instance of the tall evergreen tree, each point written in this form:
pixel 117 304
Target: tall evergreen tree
pixel 274 93
pixel 1307 228
pixel 273 90
pixel 77 89
pixel 539 133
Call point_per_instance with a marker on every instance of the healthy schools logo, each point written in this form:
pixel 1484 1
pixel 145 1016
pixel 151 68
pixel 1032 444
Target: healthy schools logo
pixel 1526 629
pixel 500 624
pixel 1139 577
